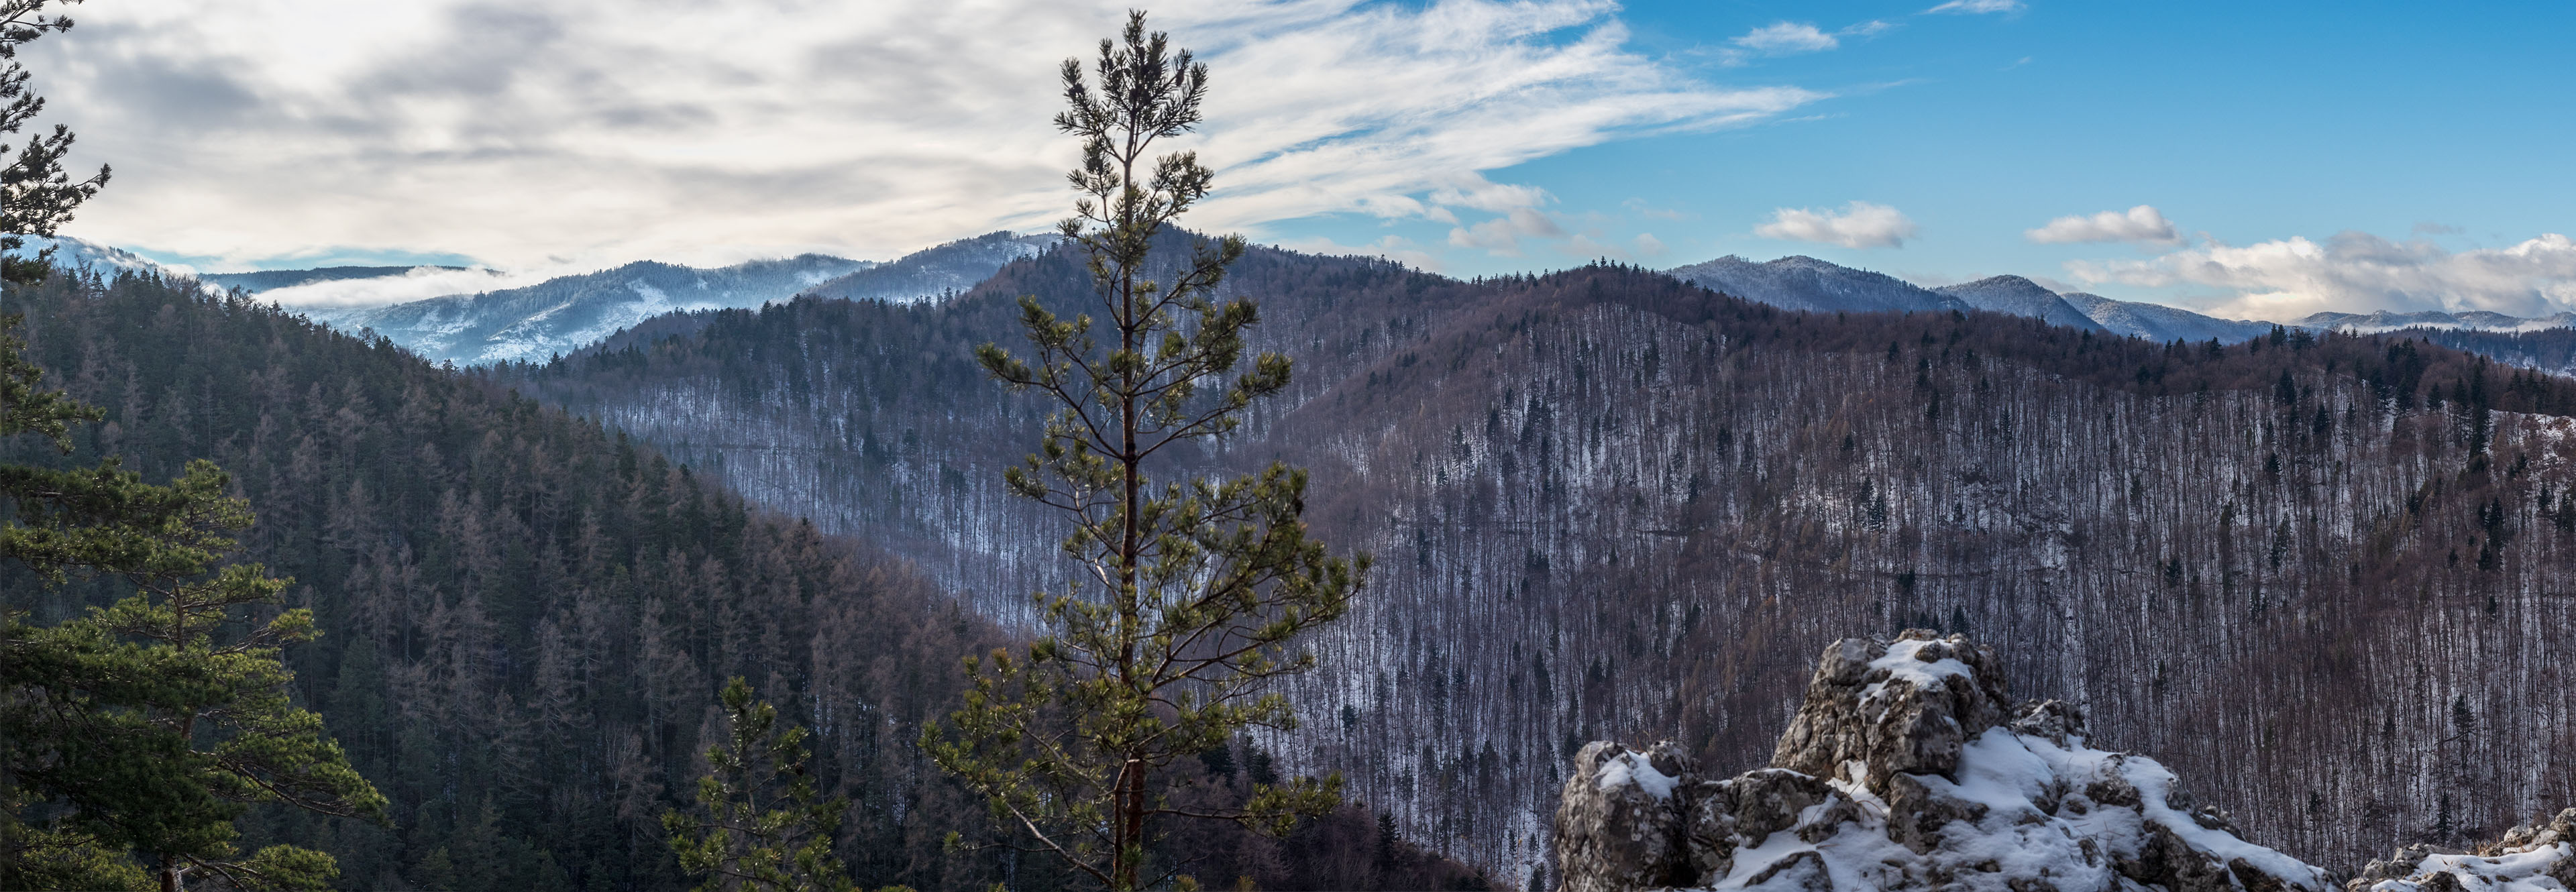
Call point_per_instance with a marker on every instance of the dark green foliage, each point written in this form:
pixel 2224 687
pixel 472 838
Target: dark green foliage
pixel 1194 593
pixel 144 729
pixel 758 823
pixel 36 195
pixel 525 616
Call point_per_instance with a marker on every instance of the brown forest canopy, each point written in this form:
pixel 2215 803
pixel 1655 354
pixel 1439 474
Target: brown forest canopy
pixel 1606 502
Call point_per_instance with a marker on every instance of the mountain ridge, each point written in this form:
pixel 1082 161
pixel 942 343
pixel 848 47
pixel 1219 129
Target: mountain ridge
pixel 1590 490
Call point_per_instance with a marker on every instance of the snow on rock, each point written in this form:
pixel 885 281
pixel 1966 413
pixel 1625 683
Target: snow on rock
pixel 1907 768
pixel 1624 799
pixel 2532 858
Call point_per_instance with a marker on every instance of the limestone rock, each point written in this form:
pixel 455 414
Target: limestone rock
pixel 1906 706
pixel 1619 818
pixel 2537 857
pixel 1907 769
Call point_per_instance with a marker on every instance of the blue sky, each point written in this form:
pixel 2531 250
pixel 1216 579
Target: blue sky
pixel 2249 122
pixel 2261 160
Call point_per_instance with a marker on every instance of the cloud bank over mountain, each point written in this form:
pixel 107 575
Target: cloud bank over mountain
pixel 1859 224
pixel 589 131
pixel 2358 272
pixel 2138 224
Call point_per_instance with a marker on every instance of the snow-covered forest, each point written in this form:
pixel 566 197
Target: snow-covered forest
pixel 2319 575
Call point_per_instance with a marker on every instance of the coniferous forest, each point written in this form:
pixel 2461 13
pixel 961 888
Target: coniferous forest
pixel 527 618
pixel 1133 557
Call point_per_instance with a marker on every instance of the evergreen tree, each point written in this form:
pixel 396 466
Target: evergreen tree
pixel 744 835
pixel 146 727
pixel 36 195
pixel 140 731
pixel 1191 592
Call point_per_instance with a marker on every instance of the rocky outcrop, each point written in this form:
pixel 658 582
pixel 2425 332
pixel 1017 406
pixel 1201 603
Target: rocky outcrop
pixel 1631 816
pixel 1907 767
pixel 2530 858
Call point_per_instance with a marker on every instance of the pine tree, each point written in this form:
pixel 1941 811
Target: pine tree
pixel 1191 593
pixel 36 195
pixel 145 727
pixel 747 835
pixel 140 731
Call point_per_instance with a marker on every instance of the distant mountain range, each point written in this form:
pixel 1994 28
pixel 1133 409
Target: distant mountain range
pixel 2481 320
pixel 1806 283
pixel 949 268
pixel 565 314
pixel 272 279
pixel 569 313
pixel 2022 297
pixel 74 253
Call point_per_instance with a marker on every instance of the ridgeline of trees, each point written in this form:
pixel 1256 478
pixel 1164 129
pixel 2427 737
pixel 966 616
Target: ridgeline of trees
pixel 1609 503
pixel 2550 350
pixel 526 618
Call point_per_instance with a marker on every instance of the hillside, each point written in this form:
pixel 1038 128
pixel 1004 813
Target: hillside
pixel 930 272
pixel 1806 283
pixel 1600 497
pixel 568 313
pixel 2551 350
pixel 527 616
pixel 2021 297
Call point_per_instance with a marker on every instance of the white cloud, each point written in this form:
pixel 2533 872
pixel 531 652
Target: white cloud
pixel 1393 247
pixel 1860 225
pixel 517 133
pixel 1501 236
pixel 2360 273
pixel 416 284
pixel 2138 224
pixel 1787 37
pixel 1472 190
pixel 1977 7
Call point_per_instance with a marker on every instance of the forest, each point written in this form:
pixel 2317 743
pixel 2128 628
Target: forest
pixel 2314 571
pixel 526 616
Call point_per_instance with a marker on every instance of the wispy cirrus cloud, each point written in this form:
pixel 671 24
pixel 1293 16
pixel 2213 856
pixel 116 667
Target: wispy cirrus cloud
pixel 1787 38
pixel 2143 224
pixel 593 131
pixel 2284 279
pixel 1978 7
pixel 1859 224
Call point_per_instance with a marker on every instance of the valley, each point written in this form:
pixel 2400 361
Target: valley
pixel 1608 503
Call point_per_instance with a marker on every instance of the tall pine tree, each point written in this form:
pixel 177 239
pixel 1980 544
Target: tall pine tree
pixel 132 737
pixel 1191 592
pixel 36 195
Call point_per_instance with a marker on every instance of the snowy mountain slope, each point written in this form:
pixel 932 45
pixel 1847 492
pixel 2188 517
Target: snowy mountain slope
pixel 267 279
pixel 930 272
pixel 2480 320
pixel 1806 283
pixel 2021 297
pixel 2157 322
pixel 74 253
pixel 565 314
pixel 1588 492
